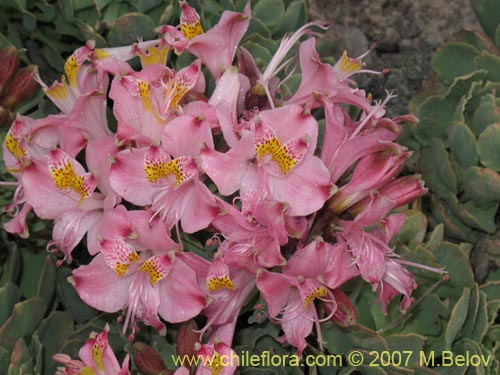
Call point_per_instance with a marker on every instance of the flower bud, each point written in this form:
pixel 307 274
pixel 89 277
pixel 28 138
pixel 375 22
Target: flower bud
pixel 344 314
pixel 6 116
pixel 9 63
pixel 22 87
pixel 147 359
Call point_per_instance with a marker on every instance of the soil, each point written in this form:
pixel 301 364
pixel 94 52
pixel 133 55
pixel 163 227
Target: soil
pixel 405 32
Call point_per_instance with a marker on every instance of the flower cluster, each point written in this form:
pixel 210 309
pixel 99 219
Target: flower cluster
pixel 295 209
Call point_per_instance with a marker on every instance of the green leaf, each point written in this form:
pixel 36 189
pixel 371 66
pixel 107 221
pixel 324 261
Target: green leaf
pixel 144 6
pixel 435 237
pixel 37 350
pixel 454 60
pixel 258 52
pixel 128 28
pixel 497 36
pixel 295 16
pixel 414 228
pixel 472 311
pixel 114 10
pixel 29 21
pixel 478 217
pixel 11 269
pixel 406 342
pixel 21 361
pixel 47 280
pixel 4 360
pixel 462 144
pixel 257 26
pixel 491 64
pixel 457 318
pixel 462 87
pixel 492 290
pixel 488 14
pixel 488 147
pixel 168 15
pixel 9 296
pixel 24 320
pixel 435 116
pixel 454 227
pixel 481 325
pixel 53 332
pixel 67 8
pixel 458 266
pixel 341 340
pixel 486 114
pixel 482 185
pixel 33 263
pixel 270 12
pixel 437 170
pixel 428 317
pixel 66 293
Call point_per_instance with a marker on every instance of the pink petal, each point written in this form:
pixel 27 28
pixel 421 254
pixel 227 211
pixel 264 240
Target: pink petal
pixel 98 286
pixel 305 188
pixel 128 179
pixel 181 297
pixel 184 136
pixel 70 227
pixel 291 121
pixel 225 100
pixel 228 170
pixel 216 47
pixel 276 289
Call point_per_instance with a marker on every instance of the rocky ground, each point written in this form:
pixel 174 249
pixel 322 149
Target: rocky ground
pixel 406 33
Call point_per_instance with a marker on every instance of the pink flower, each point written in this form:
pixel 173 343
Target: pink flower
pixel 372 172
pixel 311 273
pixel 248 244
pixel 274 160
pixel 216 47
pixel 346 141
pixel 137 269
pixel 97 357
pixel 149 284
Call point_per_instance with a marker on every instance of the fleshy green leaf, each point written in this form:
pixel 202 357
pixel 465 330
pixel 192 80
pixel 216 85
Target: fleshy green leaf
pixel 9 296
pixel 488 14
pixel 270 12
pixel 454 60
pixel 458 266
pixel 457 318
pixel 486 114
pixel 414 228
pixel 21 361
pixel 435 116
pixel 412 343
pixel 462 144
pixel 488 147
pixel 53 332
pixel 437 170
pixel 295 16
pixel 129 27
pixel 69 298
pixel 24 320
pixel 482 185
pixel 47 280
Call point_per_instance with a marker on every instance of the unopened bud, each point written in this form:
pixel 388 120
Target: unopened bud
pixel 23 86
pixel 9 63
pixel 344 314
pixel 147 359
pixel 6 116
